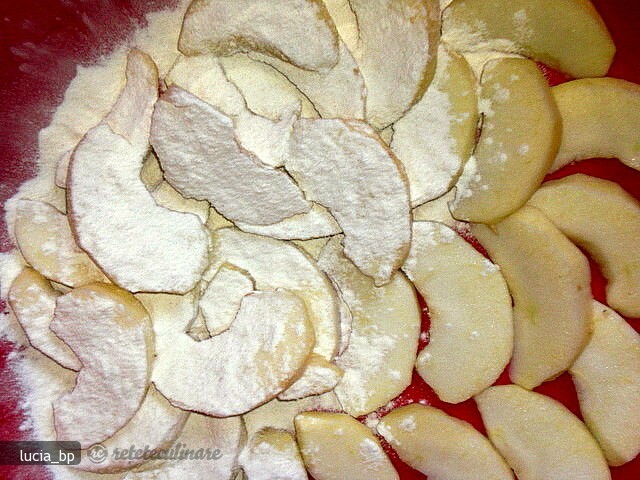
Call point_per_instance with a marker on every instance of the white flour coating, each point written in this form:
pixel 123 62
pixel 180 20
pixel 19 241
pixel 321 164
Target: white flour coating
pixel 272 455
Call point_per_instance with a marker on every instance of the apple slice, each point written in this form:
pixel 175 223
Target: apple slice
pixel 567 35
pixel 607 379
pixel 436 210
pixel 336 446
pixel 33 302
pixel 151 173
pixel 600 118
pixel 378 363
pixel 538 437
pixel 320 376
pixel 344 18
pixel 603 219
pixel 345 167
pixel 111 334
pixel 168 197
pixel 272 454
pixel 549 281
pixel 471 334
pixel 223 28
pixel 440 446
pixel 519 139
pixel 435 138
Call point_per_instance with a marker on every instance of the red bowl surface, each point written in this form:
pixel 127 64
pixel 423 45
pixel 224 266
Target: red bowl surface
pixel 42 42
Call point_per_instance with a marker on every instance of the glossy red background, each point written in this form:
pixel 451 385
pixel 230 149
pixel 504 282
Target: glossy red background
pixel 42 41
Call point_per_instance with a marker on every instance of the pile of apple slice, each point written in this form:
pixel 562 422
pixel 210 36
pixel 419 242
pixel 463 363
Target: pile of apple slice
pixel 240 258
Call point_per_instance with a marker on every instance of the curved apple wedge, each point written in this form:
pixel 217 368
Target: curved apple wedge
pixel 604 219
pixel 320 376
pixel 110 332
pixel 440 446
pixel 336 446
pixel 600 118
pixel 549 281
pixel 539 438
pixel 607 379
pixel 471 334
pixel 272 454
pixel 568 35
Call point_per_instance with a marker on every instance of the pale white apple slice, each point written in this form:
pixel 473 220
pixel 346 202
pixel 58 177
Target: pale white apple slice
pixel 549 281
pixel 471 334
pixel 44 238
pixel 320 376
pixel 602 218
pixel 607 379
pixel 201 158
pixel 312 247
pixel 33 301
pixel 111 334
pixel 345 20
pixel 441 446
pixel 436 210
pixel 378 362
pixel 520 136
pixel 272 454
pixel 168 197
pixel 435 138
pixel 224 28
pixel 568 35
pixel 538 437
pixel 151 173
pixel 345 167
pixel 600 118
pixel 336 446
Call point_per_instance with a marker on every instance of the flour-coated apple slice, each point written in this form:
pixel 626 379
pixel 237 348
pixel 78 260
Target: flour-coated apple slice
pixel 336 446
pixel 168 197
pixel 441 446
pixel 520 136
pixel 111 334
pixel 603 219
pixel 345 167
pixel 435 138
pixel 320 376
pixel 471 334
pixel 378 362
pixel 600 118
pixel 568 35
pixel 549 280
pixel 436 210
pixel 607 379
pixel 538 437
pixel 272 454
pixel 33 301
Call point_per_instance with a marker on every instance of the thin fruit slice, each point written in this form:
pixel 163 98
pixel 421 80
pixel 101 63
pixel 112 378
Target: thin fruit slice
pixel 538 437
pixel 151 173
pixel 272 454
pixel 224 28
pixel 435 138
pixel 471 334
pixel 345 21
pixel 335 446
pixel 440 446
pixel 601 217
pixel 519 139
pixel 110 332
pixel 345 167
pixel 378 363
pixel 44 238
pixel 600 118
pixel 201 158
pixel 607 379
pixel 320 376
pixel 436 210
pixel 549 281
pixel 33 302
pixel 168 197
pixel 568 35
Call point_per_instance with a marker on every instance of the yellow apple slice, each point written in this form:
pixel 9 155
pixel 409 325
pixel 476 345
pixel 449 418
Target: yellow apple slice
pixel 320 376
pixel 600 118
pixel 440 446
pixel 111 334
pixel 44 238
pixel 378 362
pixel 151 173
pixel 223 28
pixel 519 139
pixel 344 18
pixel 549 280
pixel 335 446
pixel 607 379
pixel 568 35
pixel 330 157
pixel 471 335
pixel 168 197
pixel 538 437
pixel 272 454
pixel 33 302
pixel 603 219
pixel 435 138
pixel 436 210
